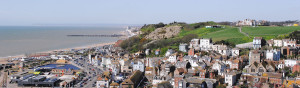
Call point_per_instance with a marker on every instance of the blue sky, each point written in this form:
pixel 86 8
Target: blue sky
pixel 35 12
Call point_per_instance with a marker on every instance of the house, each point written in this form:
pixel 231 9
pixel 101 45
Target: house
pixel 205 44
pixel 106 61
pixel 222 49
pixel 172 58
pixel 195 44
pixel 257 67
pixel 196 82
pixel 235 52
pixel 278 43
pixel 220 67
pixel 290 63
pixel 247 22
pixel 236 64
pixel 296 68
pixel 138 65
pixel 114 85
pixel 230 78
pixel 257 42
pixel 290 51
pixel 133 80
pixel 115 68
pixel 183 47
pixel 254 56
pixel 169 52
pixel 103 82
pixel 289 42
pixel 181 64
pixel 273 55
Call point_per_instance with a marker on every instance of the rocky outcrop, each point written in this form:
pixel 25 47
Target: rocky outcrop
pixel 164 32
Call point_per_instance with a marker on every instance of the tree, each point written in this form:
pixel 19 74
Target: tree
pixel 188 38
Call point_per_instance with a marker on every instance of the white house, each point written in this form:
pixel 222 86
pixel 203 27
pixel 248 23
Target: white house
pixel 138 65
pixel 230 78
pixel 183 47
pixel 205 44
pixel 290 63
pixel 235 52
pixel 172 59
pixel 257 42
pixel 102 83
pixel 278 43
pixel 289 42
pixel 220 67
pixel 195 44
pixel 222 49
pixel 106 62
pixel 269 54
pixel 273 55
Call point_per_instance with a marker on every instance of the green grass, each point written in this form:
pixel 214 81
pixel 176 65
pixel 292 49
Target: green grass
pixel 232 34
pixel 199 31
pixel 269 32
pixel 228 33
pixel 265 30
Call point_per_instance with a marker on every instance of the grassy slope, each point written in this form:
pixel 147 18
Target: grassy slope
pixel 233 35
pixel 268 32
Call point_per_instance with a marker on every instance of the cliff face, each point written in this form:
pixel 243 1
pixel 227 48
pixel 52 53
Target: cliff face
pixel 164 32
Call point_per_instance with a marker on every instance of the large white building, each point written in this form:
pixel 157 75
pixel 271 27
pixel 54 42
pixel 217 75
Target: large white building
pixel 273 55
pixel 183 47
pixel 172 59
pixel 247 22
pixel 290 63
pixel 288 42
pixel 138 65
pixel 257 42
pixel 278 43
pixel 205 44
pixel 230 78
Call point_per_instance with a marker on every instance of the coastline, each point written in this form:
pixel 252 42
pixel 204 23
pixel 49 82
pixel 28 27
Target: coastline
pixel 3 60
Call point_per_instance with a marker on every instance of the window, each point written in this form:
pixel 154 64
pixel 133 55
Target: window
pixel 261 69
pixel 252 70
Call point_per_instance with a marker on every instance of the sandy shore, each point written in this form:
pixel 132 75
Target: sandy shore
pixel 3 60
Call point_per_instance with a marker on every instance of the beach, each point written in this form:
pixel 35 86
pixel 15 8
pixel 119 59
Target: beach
pixel 4 60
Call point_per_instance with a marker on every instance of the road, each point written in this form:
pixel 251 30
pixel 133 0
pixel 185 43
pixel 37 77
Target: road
pixel 92 72
pixel 240 28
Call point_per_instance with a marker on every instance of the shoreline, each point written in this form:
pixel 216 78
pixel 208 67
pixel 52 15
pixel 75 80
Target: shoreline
pixel 4 60
pixel 62 49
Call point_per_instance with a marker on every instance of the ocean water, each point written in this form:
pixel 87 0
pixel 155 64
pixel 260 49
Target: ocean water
pixel 16 40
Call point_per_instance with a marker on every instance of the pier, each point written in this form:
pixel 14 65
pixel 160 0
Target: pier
pixel 114 35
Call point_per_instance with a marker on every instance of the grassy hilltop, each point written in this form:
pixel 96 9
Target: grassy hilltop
pixel 227 34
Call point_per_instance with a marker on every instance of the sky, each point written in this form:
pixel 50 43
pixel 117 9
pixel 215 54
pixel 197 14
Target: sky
pixel 87 12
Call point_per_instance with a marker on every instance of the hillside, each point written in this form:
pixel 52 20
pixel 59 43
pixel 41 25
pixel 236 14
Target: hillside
pixel 164 33
pixel 165 36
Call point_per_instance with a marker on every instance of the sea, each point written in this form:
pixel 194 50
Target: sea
pixel 18 40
